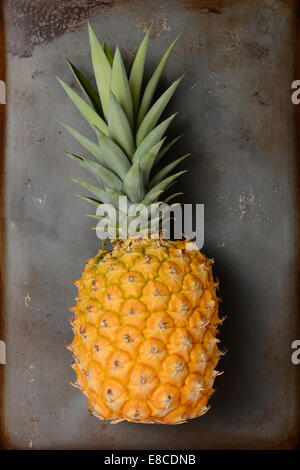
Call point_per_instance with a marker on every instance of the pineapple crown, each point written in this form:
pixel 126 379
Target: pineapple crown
pixel 130 139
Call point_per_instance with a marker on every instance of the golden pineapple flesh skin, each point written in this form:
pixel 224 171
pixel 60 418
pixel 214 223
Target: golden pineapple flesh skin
pixel 145 326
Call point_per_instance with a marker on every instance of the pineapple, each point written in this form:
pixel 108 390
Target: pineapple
pixel 146 316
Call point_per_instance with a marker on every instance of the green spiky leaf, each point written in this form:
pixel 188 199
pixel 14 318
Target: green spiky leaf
pixel 119 127
pixel 152 138
pixel 100 194
pixel 172 196
pixel 85 142
pixel 150 198
pixel 86 110
pixel 87 87
pixel 130 140
pixel 148 159
pixel 155 112
pixel 152 84
pixel 106 176
pixel 102 70
pixel 166 170
pixel 167 147
pixel 91 200
pixel 114 195
pixel 120 86
pixel 108 54
pixel 115 158
pixel 137 73
pixel 165 183
pixel 95 216
pixel 133 184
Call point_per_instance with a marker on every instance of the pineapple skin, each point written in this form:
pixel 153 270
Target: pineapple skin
pixel 145 326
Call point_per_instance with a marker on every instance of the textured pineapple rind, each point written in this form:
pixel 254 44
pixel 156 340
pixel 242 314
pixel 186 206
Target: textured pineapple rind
pixel 145 326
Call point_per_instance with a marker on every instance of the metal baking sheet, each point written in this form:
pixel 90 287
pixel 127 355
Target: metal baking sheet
pixel 239 59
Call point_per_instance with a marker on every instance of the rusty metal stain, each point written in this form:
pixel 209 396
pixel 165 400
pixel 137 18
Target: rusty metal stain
pixel 35 22
pixel 207 7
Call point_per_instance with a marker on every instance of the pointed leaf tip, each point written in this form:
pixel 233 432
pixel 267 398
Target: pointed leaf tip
pixel 109 54
pixel 102 70
pixel 107 177
pixel 166 170
pixel 98 192
pixel 120 86
pixel 137 72
pixel 167 147
pixel 155 112
pixel 85 109
pixel 153 137
pixel 153 82
pixel 87 88
pixel 93 148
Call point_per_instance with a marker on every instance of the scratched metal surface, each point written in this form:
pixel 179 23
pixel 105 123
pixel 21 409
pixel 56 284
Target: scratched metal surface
pixel 235 109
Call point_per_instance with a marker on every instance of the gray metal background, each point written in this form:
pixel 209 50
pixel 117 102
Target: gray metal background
pixel 235 109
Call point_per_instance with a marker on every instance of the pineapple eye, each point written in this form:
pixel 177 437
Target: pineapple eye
pixel 143 380
pixel 179 367
pixel 116 363
pixel 187 342
pixel 128 339
pixel 184 307
pixel 162 325
pixel 132 311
